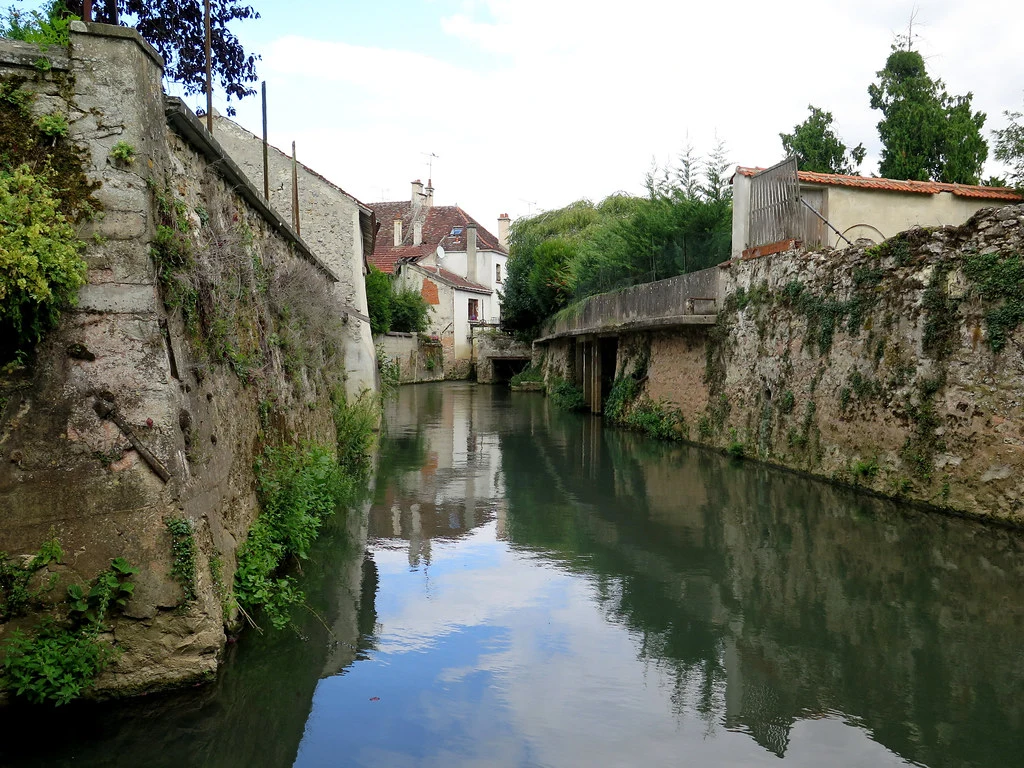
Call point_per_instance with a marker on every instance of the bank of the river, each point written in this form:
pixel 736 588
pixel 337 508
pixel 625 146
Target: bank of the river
pixel 896 368
pixel 538 589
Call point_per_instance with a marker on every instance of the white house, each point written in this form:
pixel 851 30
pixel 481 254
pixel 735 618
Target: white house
pixel 463 285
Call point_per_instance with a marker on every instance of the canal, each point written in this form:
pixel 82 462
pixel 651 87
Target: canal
pixel 528 588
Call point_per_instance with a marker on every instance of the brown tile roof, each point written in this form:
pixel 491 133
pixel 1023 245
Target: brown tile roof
pixel 454 280
pixel 438 223
pixel 894 185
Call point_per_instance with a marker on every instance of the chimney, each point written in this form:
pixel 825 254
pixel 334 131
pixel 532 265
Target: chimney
pixel 417 233
pixel 398 231
pixel 417 198
pixel 429 202
pixel 503 224
pixel 471 251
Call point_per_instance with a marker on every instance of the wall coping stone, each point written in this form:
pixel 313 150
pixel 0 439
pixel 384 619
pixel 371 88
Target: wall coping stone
pixel 184 122
pixel 125 33
pixel 16 53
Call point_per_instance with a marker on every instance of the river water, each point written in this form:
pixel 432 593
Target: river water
pixel 530 588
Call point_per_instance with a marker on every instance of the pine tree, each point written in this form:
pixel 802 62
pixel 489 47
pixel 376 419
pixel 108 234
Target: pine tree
pixel 926 133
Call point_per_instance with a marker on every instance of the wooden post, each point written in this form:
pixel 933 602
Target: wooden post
pixel 295 192
pixel 266 168
pixel 209 70
pixel 87 11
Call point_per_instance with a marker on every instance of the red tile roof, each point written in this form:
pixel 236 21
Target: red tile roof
pixel 894 185
pixel 454 280
pixel 438 223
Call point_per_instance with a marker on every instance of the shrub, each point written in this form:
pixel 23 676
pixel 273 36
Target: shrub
pixel 378 300
pixel 41 268
pixel 61 660
pixel 123 152
pixel 567 396
pixel 528 374
pixel 409 312
pixel 183 547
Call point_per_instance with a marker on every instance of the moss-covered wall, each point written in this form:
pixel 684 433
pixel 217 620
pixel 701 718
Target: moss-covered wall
pixel 896 368
pixel 205 330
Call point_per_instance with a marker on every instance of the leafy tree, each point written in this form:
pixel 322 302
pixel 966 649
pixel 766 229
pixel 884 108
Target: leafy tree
pixel 1010 147
pixel 683 224
pixel 176 28
pixel 926 133
pixel 817 148
pixel 378 300
pixel 409 312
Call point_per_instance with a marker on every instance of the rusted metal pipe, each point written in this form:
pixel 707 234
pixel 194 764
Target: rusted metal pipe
pixel 295 192
pixel 87 10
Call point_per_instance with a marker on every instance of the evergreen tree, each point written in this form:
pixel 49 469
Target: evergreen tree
pixel 1010 147
pixel 818 148
pixel 926 133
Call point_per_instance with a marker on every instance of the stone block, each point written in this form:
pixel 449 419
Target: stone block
pixel 119 298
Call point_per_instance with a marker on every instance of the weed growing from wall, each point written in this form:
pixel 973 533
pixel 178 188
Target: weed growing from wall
pixel 183 549
pixel 15 577
pixel 999 280
pixel 43 193
pixel 299 488
pixel 941 318
pixel 566 396
pixel 60 660
pixel 530 374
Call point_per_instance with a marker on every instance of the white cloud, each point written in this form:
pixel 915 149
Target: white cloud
pixel 549 100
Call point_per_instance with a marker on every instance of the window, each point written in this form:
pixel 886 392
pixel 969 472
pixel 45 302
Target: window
pixel 474 310
pixel 497 273
pixel 456 231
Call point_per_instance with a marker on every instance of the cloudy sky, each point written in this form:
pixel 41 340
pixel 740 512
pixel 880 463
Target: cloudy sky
pixel 531 104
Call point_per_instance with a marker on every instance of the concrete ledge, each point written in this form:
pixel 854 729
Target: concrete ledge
pixel 184 122
pixel 613 329
pixel 124 33
pixel 14 53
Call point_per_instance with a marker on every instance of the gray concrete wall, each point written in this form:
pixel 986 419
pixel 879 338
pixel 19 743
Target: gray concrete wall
pixel 659 302
pixel 417 361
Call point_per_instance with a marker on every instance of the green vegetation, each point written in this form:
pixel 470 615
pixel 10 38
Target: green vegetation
pixel 941 318
pixel 787 402
pixel 43 194
pixel 817 148
pixel 15 594
pixel 920 448
pixel 528 374
pixel 864 470
pixel 999 279
pixel 737 450
pixel 404 311
pixel 49 25
pixel 53 126
pixel 183 548
pixel 298 488
pixel 124 153
pixel 567 396
pixel 1010 146
pixel 560 257
pixel 60 660
pixel 825 315
pixel 390 374
pixel 926 133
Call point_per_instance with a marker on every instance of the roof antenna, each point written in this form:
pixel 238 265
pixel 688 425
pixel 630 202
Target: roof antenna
pixel 431 157
pixel 529 206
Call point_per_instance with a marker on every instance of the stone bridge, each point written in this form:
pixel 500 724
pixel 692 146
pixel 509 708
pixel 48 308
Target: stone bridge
pixel 593 326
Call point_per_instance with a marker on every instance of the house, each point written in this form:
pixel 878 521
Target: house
pixel 443 253
pixel 337 227
pixel 769 207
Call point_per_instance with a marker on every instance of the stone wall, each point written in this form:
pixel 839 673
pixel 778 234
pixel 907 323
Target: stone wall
pixel 490 345
pixel 141 407
pixel 417 360
pixel 873 366
pixel 334 224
